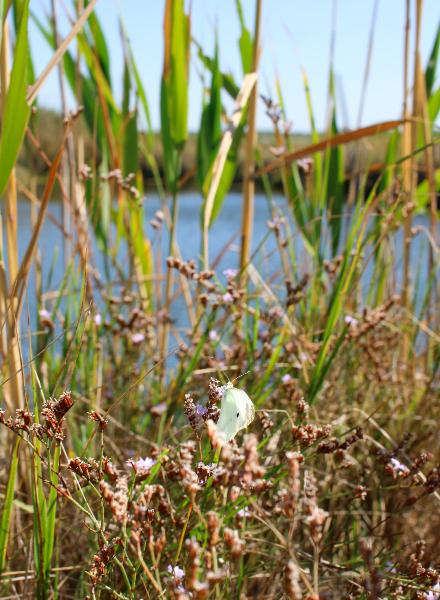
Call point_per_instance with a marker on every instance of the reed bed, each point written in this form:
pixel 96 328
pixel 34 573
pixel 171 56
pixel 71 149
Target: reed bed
pixel 115 481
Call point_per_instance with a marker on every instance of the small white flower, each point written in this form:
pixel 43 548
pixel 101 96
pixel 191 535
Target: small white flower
pixel 286 378
pixel 213 335
pixel 228 297
pixel 398 467
pixel 45 314
pixel 98 319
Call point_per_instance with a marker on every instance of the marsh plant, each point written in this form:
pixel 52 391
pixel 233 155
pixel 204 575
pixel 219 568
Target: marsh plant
pixel 116 477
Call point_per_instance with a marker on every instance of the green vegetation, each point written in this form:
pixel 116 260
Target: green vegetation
pixel 333 490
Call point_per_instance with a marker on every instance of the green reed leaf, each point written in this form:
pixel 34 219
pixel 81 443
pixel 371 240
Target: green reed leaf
pixel 17 111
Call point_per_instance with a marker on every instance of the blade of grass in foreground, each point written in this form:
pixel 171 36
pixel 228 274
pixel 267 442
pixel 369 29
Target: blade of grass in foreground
pixel 7 510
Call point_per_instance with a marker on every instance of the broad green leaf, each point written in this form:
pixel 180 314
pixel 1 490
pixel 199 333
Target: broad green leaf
pixel 17 111
pixel 169 152
pixel 388 174
pixel 176 69
pixel 130 133
pixel 434 105
pixel 245 42
pixel 227 80
pixel 96 71
pixel 30 73
pixel 432 65
pixel 100 45
pixel 140 88
pixel 335 177
pixel 422 192
pixel 210 129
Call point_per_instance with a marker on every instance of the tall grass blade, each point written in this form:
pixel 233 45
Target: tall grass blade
pixel 7 509
pixel 16 112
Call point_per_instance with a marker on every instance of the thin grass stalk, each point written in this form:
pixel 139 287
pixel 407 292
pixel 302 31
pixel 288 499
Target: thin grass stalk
pixel 251 142
pixel 430 176
pixel 406 151
pixel 79 96
pixel 33 214
pixel 11 238
pixel 336 140
pixel 58 55
pixel 66 156
pixel 170 272
pixel 4 307
pixel 354 180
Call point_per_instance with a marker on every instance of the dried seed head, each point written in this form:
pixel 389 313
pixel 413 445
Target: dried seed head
pixel 95 416
pixel 81 468
pixel 216 438
pixel 294 482
pixel 213 523
pixel 117 500
pixel 191 412
pixel 291 581
pixel 234 543
pixel 194 551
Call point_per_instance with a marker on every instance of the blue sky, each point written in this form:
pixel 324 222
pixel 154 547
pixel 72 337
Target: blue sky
pixel 294 33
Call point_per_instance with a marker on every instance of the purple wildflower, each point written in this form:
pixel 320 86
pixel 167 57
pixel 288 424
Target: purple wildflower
pixel 137 338
pixel 243 512
pixel 143 464
pixel 434 593
pixel 213 335
pixel 286 378
pixel 177 573
pixel 45 314
pixel 227 297
pixel 201 410
pixel 98 319
pixel 350 320
pixel 230 272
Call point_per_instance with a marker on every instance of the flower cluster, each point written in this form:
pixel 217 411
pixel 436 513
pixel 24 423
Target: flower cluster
pixel 54 412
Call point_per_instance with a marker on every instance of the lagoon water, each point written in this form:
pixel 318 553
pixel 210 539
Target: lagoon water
pixel 189 239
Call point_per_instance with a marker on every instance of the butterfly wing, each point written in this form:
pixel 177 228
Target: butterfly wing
pixel 236 413
pixel 245 407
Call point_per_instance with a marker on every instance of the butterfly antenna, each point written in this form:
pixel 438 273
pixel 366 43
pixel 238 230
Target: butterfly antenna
pixel 240 376
pixel 218 367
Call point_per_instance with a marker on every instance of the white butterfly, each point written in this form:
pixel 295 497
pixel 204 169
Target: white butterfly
pixel 236 413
